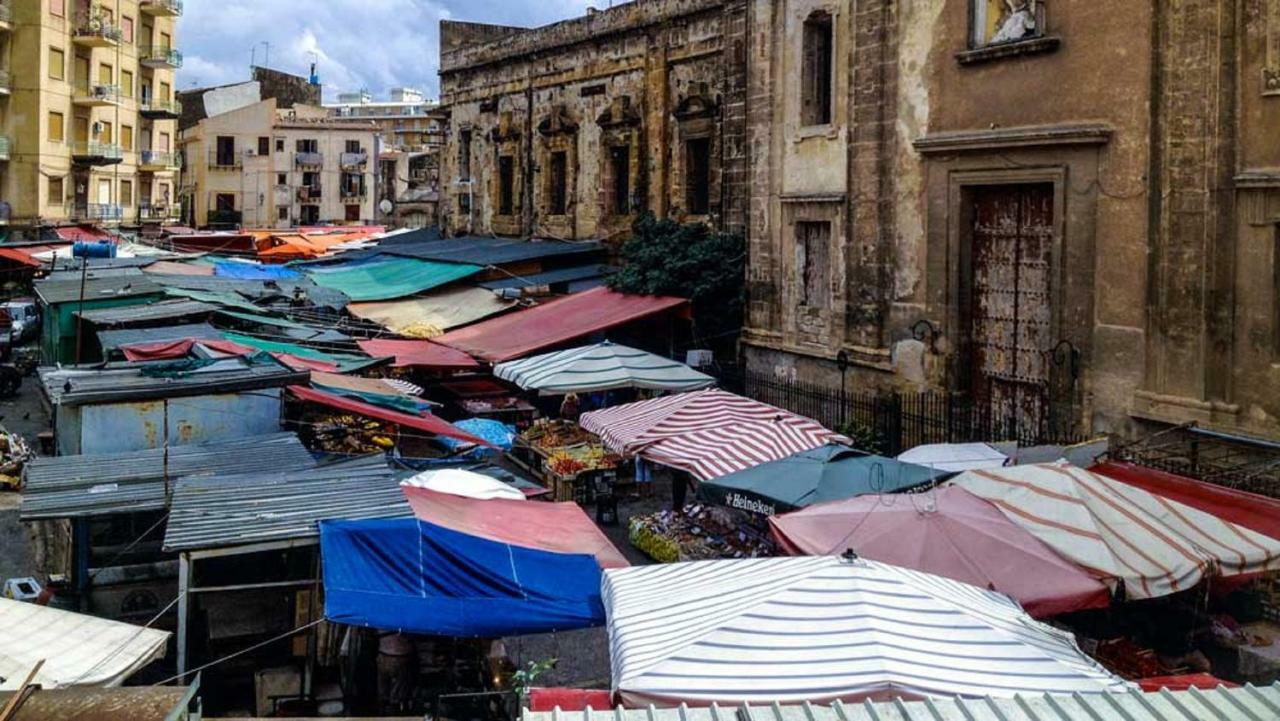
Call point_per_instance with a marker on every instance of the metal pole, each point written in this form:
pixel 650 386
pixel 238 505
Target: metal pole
pixel 184 583
pixel 84 279
pixel 168 491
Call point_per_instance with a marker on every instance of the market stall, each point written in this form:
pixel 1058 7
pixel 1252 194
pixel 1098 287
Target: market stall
pixel 481 397
pixel 568 459
pixel 700 532
pixel 601 367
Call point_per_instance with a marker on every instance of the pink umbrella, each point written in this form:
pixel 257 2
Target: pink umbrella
pixel 949 532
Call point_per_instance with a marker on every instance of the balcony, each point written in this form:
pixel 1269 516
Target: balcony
pixel 97 96
pixel 6 18
pixel 225 217
pixel 98 212
pixel 354 194
pixel 94 153
pixel 5 80
pixel 97 32
pixel 309 194
pixel 354 161
pixel 4 147
pixel 156 109
pixel 224 161
pixel 152 213
pixel 155 161
pixel 308 159
pixel 161 8
pixel 158 56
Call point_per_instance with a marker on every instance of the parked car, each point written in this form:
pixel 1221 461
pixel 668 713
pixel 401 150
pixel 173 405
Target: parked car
pixel 24 320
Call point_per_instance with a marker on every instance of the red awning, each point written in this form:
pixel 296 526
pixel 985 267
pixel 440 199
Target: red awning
pixel 1257 513
pixel 519 334
pixel 1202 681
pixel 427 424
pixel 169 350
pixel 419 353
pixel 81 232
pixel 554 527
pixel 568 699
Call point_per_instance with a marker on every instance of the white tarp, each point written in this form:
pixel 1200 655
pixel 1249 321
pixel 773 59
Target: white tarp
pixel 468 484
pixel 820 629
pixel 955 457
pixel 601 367
pixel 1119 532
pixel 78 650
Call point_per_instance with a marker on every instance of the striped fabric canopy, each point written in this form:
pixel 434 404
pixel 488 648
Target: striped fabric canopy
pixel 1118 532
pixel 599 368
pixel 820 629
pixel 708 433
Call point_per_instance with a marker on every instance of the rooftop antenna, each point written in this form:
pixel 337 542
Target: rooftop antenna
pixel 315 59
pixel 266 63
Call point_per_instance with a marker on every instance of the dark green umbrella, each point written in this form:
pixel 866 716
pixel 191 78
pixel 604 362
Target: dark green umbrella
pixel 828 473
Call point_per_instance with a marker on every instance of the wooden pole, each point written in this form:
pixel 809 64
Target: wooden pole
pixel 20 696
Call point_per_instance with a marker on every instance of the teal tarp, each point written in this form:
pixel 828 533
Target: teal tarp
pixel 830 473
pixel 390 278
pixel 346 363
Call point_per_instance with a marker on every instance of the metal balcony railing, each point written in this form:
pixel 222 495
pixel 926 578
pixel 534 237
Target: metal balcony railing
pixel 99 29
pixel 354 160
pixel 103 211
pixel 93 149
pixel 160 158
pixel 161 7
pixel 352 193
pixel 224 161
pixel 98 94
pixel 155 106
pixel 151 211
pixel 158 54
pixel 4 147
pixel 308 159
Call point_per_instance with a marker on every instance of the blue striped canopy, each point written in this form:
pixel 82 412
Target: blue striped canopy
pixel 600 368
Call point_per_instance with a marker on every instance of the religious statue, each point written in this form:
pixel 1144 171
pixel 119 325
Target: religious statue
pixel 1017 21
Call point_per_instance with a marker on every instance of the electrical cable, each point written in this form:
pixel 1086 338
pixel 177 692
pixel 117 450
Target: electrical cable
pixel 239 653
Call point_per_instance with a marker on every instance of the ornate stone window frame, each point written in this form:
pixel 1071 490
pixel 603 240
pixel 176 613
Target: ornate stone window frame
pixel 981 51
pixel 620 126
pixel 1271 69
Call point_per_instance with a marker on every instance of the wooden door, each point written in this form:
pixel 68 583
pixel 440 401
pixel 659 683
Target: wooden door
pixel 1011 313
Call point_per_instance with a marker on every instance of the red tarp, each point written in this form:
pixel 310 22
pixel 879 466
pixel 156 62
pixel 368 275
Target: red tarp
pixel 1202 681
pixel 428 424
pixel 568 699
pixel 1257 513
pixel 25 254
pixel 81 232
pixel 418 353
pixel 528 331
pixel 170 350
pixel 948 532
pixel 554 527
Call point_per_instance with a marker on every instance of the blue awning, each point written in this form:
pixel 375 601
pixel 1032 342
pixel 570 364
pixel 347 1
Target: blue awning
pixel 415 577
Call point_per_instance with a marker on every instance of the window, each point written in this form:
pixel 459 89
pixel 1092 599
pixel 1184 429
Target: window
pixel 279 145
pixel 166 40
pixel 57 191
pixel 165 91
pixel 353 146
pixel 353 212
pixel 126 83
pixel 697 153
pixel 308 145
pixel 164 143
pixel 506 185
pixel 126 137
pixel 282 212
pixel 1006 21
pixel 58 8
pixel 225 155
pixel 813 240
pixel 264 146
pixel 126 28
pixel 57 64
pixel 126 192
pixel 106 74
pixel 558 189
pixel 56 133
pixel 282 178
pixel 815 81
pixel 620 166
pixel 106 133
pixel 464 154
pixel 224 202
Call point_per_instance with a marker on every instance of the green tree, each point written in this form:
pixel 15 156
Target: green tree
pixel 708 267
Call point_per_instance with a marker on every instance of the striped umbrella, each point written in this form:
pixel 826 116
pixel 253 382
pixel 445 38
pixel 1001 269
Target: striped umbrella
pixel 821 629
pixel 599 368
pixel 708 433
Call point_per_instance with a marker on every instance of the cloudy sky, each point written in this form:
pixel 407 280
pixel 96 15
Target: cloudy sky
pixel 374 44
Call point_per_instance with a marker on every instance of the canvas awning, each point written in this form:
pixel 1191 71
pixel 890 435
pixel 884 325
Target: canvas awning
pixel 1153 545
pixel 1255 512
pixel 791 630
pixel 601 367
pixel 78 650
pixel 419 354
pixel 432 315
pixel 425 423
pixel 553 527
pixel 414 577
pixel 829 473
pixel 708 433
pixel 390 278
pixel 556 323
pixel 948 532
pixel 956 457
pixel 464 483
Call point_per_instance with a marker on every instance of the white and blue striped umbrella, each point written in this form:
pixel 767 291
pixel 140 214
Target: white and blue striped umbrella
pixel 821 629
pixel 600 368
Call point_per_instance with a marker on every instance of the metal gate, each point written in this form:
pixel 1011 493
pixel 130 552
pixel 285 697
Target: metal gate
pixel 1010 309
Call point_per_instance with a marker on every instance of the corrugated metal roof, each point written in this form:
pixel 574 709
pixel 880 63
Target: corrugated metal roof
pixel 1249 703
pixel 79 386
pixel 112 339
pixel 137 703
pixel 96 485
pixel 563 275
pixel 487 251
pixel 164 310
pixel 254 289
pixel 57 290
pixel 232 510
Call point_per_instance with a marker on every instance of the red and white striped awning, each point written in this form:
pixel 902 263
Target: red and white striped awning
pixel 708 433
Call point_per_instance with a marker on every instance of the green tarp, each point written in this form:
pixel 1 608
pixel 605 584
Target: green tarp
pixel 391 278
pixel 346 362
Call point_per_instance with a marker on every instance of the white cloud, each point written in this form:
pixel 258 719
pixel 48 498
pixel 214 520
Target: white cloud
pixel 373 44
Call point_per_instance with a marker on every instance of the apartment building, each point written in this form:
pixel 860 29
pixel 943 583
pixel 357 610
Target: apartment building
pixel 87 112
pixel 411 132
pixel 269 167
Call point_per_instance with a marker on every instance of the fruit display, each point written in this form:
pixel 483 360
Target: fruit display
pixel 352 435
pixel 567 450
pixel 698 533
pixel 547 434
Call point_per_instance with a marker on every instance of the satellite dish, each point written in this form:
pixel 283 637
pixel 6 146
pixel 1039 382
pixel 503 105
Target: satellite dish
pixel 386 206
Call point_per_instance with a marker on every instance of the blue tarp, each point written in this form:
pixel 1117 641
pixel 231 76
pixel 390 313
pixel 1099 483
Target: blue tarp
pixel 498 433
pixel 415 577
pixel 253 271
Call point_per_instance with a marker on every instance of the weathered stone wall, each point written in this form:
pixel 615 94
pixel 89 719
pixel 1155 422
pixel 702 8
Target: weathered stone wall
pixel 641 80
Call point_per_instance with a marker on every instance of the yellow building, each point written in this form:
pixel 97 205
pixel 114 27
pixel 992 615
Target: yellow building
pixel 268 167
pixel 87 111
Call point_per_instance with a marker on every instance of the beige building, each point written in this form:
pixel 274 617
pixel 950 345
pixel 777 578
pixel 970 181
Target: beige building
pixel 87 112
pixel 266 167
